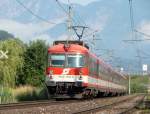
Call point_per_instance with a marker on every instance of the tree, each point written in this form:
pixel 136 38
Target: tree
pixel 35 59
pixel 9 66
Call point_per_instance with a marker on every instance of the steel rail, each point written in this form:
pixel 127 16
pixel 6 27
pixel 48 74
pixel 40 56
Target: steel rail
pixel 132 108
pixel 33 104
pixel 93 110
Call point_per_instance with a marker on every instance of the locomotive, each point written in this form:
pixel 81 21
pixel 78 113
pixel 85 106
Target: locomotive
pixel 74 72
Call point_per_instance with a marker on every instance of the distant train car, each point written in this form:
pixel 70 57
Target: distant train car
pixel 74 72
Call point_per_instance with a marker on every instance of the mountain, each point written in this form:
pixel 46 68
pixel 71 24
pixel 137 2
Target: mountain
pixel 14 10
pixel 112 19
pixel 5 35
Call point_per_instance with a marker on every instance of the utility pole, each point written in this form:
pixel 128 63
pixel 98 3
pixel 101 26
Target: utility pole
pixel 129 77
pixel 129 84
pixel 93 42
pixel 69 21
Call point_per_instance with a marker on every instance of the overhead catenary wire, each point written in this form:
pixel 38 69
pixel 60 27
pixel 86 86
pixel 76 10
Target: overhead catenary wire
pixel 35 15
pixel 134 36
pixel 145 54
pixel 73 11
pixel 60 5
pixel 138 40
pixel 64 10
pixel 74 20
pixel 91 33
pixel 84 23
pixel 144 34
pixel 131 19
pixel 47 21
pixel 80 20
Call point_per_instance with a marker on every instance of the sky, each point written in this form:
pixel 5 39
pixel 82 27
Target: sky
pixel 81 2
pixel 112 19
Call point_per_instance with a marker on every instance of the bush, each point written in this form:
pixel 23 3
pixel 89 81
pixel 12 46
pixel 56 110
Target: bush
pixel 139 84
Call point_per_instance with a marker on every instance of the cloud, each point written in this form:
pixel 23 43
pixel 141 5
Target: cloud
pixel 100 22
pixel 26 31
pixel 46 37
pixel 144 27
pixel 81 2
pixel 62 37
pixel 97 25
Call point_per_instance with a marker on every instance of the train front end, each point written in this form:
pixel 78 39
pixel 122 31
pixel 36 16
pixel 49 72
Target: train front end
pixel 66 74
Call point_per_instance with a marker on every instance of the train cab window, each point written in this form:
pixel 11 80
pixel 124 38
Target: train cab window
pixel 57 60
pixel 75 61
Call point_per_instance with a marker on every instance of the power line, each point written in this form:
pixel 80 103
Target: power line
pixel 139 40
pixel 82 21
pixel 32 13
pixel 78 21
pixel 59 4
pixel 131 18
pixel 146 54
pixel 144 34
pixel 90 34
pixel 79 18
pixel 134 37
pixel 94 31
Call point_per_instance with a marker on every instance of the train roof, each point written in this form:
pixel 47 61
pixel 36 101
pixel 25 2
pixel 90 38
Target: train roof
pixel 71 46
pixel 81 43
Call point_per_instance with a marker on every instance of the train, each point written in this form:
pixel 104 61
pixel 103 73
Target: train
pixel 74 72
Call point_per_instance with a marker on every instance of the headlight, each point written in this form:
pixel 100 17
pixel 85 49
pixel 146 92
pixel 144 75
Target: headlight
pixel 80 72
pixel 80 78
pixel 51 72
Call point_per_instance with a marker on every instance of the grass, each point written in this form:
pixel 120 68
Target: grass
pixel 29 93
pixel 148 98
pixel 22 93
pixel 139 84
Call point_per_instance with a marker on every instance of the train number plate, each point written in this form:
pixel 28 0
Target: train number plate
pixel 66 76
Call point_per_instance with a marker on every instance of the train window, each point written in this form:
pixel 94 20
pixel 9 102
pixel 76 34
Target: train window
pixel 75 60
pixel 97 70
pixel 57 60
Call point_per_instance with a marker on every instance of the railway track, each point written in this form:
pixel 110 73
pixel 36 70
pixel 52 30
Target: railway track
pixel 28 104
pixel 66 107
pixel 133 107
pixel 124 106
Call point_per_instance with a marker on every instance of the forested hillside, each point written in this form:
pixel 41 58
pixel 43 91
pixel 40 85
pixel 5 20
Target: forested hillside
pixel 5 35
